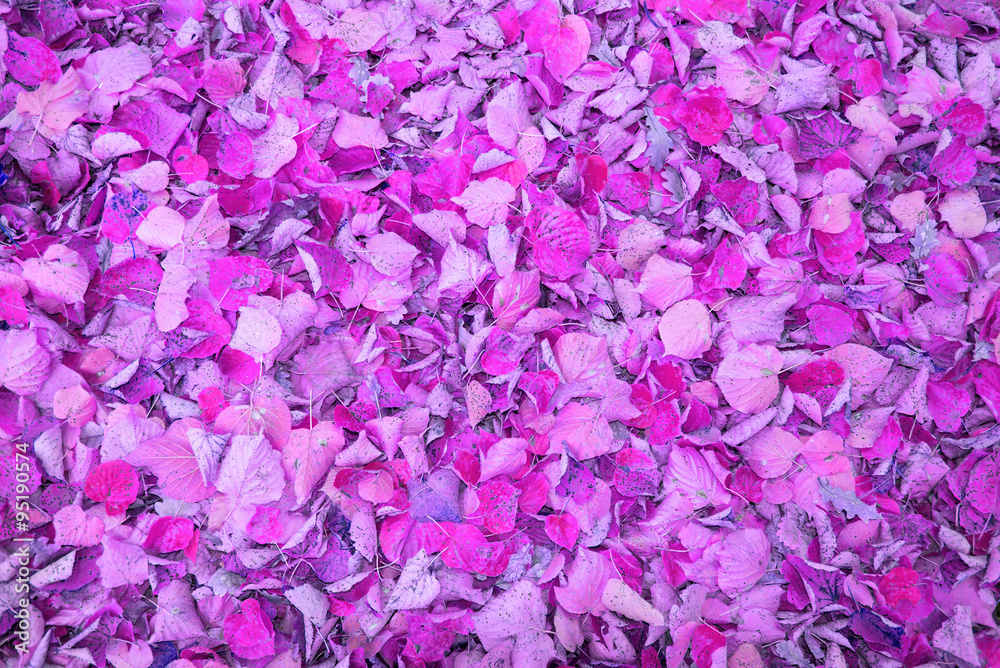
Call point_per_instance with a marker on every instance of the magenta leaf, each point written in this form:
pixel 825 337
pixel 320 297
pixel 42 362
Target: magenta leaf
pixel 116 483
pixel 249 633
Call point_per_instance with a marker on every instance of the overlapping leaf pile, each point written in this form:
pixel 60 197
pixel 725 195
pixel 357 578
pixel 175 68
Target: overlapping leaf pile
pixel 426 332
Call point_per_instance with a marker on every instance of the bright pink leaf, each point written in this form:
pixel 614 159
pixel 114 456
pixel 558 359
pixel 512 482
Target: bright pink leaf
pixel 116 483
pixel 249 633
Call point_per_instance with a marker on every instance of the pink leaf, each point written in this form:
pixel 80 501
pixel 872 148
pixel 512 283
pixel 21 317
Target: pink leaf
pixel 75 405
pixel 690 473
pixel 441 225
pixel 945 278
pixel 308 454
pixel 506 456
pixel 276 147
pixel 705 115
pixel 637 243
pixel 29 61
pixel 478 401
pixel 264 525
pixel 115 70
pixel 582 358
pixel 257 334
pixel 665 282
pixel 416 586
pixel 955 637
pixel 176 12
pixel 122 564
pixel 169 534
pixel 705 642
pixel 224 79
pixel 55 105
pixel 772 451
pixel 486 202
pixel 581 432
pixel 60 275
pixel 170 305
pixel 12 306
pixel 24 365
pixel 531 147
pixel 863 366
pixel 909 209
pixel 172 459
pixel 560 241
pixel 359 29
pixel 743 560
pixel 987 382
pixel 136 279
pixel 563 530
pixel 823 453
pixel 587 577
pixel 947 405
pixel 269 415
pixel 116 483
pixel 177 617
pixel 208 229
pixel 353 131
pixel 250 475
pixel 507 115
pixel 498 505
pixel 75 527
pixel 741 197
pixel 190 166
pixel 955 164
pixel 517 614
pixel 831 214
pixel 162 228
pixel 899 585
pixel 565 44
pixel 749 378
pixel 249 633
pixel 236 155
pixel 501 352
pixel 232 279
pixel 636 473
pixel 686 329
pixel 964 213
pixel 514 295
pixel 830 325
pixel 390 254
pixel 321 369
pixel 822 136
pixel 624 600
pixel 376 487
pixel 983 490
